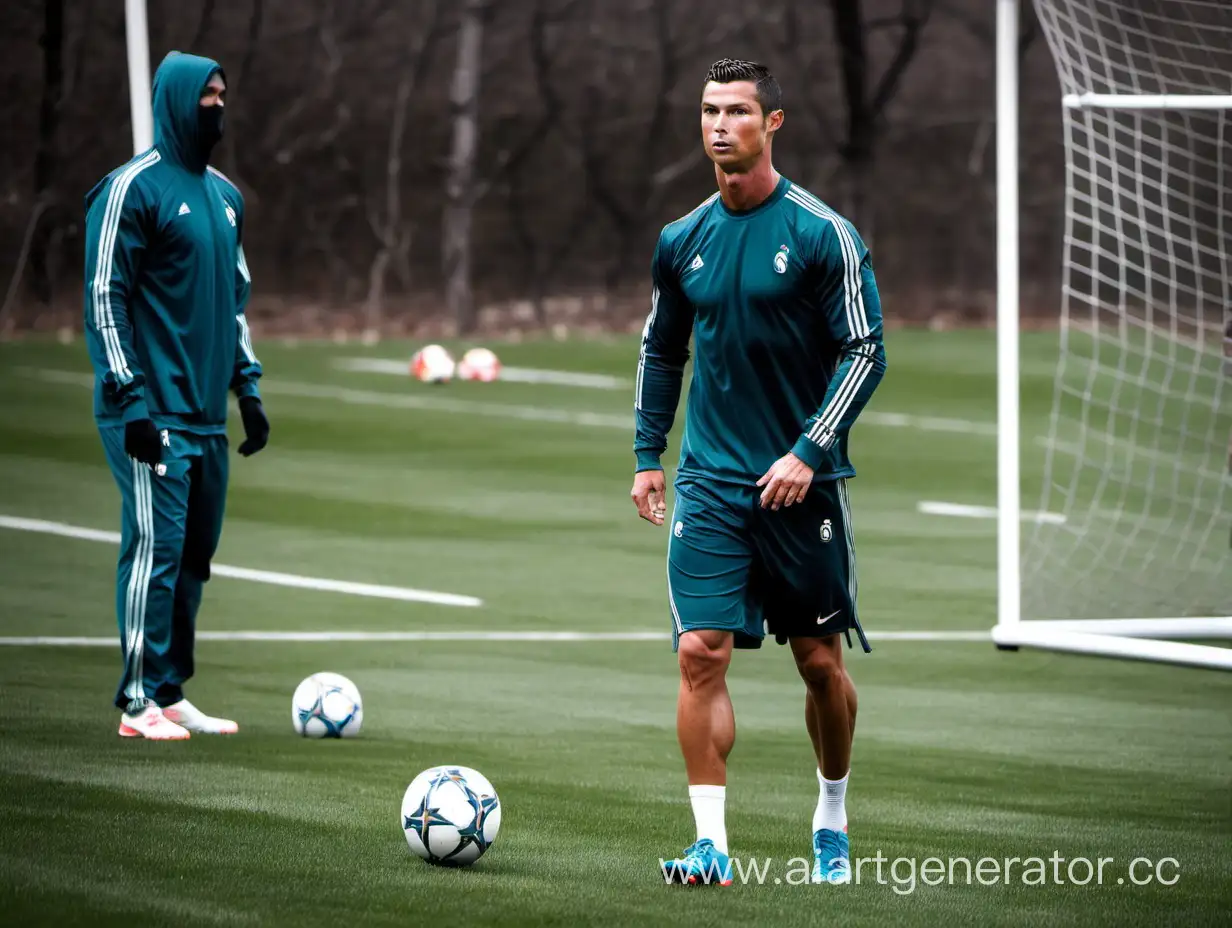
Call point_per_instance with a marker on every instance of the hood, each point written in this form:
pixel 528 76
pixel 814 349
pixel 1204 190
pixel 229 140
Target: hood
pixel 178 84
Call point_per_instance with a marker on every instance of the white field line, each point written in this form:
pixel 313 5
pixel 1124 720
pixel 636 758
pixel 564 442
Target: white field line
pixel 963 511
pixel 403 594
pixel 510 374
pixel 402 401
pixel 274 386
pixel 71 378
pixel 505 411
pixel 330 637
pixel 384 592
pixel 904 420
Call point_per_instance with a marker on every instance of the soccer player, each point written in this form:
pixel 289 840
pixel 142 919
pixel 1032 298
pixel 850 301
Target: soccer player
pixel 777 291
pixel 166 285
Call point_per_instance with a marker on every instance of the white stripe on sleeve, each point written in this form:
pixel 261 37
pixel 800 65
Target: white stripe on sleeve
pixel 641 361
pixel 857 318
pixel 104 318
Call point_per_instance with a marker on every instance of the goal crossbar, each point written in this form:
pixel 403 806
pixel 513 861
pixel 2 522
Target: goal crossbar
pixel 1158 101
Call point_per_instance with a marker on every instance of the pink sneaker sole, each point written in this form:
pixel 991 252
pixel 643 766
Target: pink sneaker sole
pixel 128 732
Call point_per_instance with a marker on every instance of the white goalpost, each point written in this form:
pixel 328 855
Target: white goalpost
pixel 1137 452
pixel 137 40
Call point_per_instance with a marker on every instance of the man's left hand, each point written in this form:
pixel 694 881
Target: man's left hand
pixel 786 482
pixel 256 426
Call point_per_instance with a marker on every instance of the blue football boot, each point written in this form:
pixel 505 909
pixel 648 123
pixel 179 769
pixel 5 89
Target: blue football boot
pixel 702 863
pixel 831 856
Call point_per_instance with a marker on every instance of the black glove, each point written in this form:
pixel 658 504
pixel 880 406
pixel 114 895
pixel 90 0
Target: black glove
pixel 256 426
pixel 143 442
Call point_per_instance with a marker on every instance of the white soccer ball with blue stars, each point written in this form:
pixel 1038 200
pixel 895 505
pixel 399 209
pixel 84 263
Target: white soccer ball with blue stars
pixel 451 815
pixel 327 705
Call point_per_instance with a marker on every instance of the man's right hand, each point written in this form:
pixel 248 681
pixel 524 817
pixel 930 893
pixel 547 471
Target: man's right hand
pixel 650 496
pixel 143 442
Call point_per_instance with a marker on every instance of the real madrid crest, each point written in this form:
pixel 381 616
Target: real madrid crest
pixel 826 531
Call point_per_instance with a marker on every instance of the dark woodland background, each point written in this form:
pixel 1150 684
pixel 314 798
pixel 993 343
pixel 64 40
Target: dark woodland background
pixel 493 164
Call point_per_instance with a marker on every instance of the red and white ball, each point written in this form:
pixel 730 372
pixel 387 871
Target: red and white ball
pixel 479 364
pixel 432 364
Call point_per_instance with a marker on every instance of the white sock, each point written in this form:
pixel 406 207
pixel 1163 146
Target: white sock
pixel 831 809
pixel 708 813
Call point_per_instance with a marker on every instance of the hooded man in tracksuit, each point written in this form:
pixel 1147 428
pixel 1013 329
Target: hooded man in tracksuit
pixel 166 285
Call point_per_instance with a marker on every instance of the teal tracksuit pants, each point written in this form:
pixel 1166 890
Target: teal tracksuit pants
pixel 171 523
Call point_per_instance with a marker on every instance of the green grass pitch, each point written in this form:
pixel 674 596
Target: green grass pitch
pixel 961 751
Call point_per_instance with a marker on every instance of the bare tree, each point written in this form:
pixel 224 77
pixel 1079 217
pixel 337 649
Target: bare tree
pixel 866 95
pixel 982 29
pixel 298 126
pixel 461 192
pixel 303 135
pixel 631 198
pixel 469 181
pixel 542 257
pixel 38 243
pixel 238 80
pixel 393 230
pixel 197 44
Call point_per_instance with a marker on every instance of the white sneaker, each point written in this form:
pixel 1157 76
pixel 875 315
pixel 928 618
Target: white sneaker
pixel 184 713
pixel 152 725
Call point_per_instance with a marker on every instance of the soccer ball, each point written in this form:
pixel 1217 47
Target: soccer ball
pixel 327 705
pixel 479 364
pixel 432 364
pixel 450 815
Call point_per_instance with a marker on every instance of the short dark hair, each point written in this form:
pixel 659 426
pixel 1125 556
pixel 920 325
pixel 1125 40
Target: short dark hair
pixel 730 70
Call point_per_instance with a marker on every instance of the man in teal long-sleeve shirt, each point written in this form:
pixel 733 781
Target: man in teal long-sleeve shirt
pixel 166 285
pixel 778 294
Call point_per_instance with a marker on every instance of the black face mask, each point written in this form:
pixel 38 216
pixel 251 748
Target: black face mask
pixel 209 127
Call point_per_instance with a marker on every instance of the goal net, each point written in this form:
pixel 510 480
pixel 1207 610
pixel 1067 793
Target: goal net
pixel 1136 460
